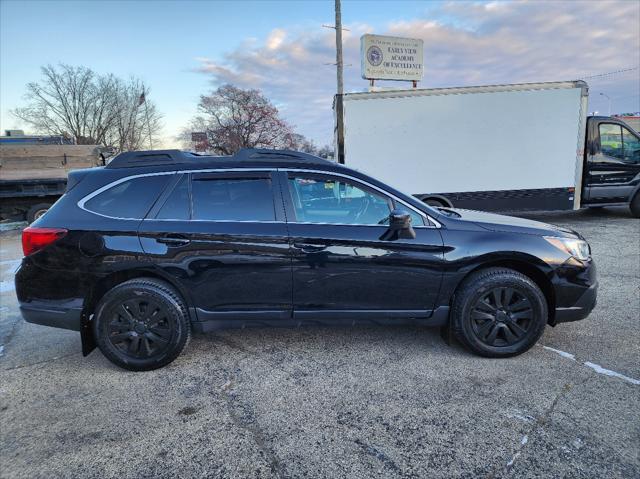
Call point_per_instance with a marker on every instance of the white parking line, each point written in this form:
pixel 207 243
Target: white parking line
pixel 596 367
pixel 523 442
pixel 561 353
pixel 608 372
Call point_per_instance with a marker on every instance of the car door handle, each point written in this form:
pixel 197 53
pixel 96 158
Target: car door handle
pixel 309 248
pixel 174 240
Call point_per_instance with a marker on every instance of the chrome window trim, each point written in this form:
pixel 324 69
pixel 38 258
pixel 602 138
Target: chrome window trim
pixel 81 203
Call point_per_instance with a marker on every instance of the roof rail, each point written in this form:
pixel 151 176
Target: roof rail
pixel 131 159
pixel 258 154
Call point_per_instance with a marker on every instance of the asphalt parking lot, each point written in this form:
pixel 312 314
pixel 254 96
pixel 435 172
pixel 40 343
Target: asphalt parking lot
pixel 317 402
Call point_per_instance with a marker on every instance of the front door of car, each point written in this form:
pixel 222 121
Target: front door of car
pixel 614 165
pixel 342 265
pixel 223 237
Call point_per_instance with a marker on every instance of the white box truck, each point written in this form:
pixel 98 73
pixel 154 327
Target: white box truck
pixel 496 148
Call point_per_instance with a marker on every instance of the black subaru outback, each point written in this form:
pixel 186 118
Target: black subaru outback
pixel 138 254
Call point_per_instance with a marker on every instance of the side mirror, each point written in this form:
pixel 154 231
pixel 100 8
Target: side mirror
pixel 399 226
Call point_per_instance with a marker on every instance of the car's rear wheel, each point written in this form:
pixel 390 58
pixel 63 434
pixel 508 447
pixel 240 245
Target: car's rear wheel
pixel 499 312
pixel 141 324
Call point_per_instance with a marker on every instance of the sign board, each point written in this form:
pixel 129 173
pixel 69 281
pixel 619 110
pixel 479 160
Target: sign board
pixel 198 136
pixel 391 58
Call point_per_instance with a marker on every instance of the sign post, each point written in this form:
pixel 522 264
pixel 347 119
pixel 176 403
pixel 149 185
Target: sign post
pixel 391 58
pixel 200 141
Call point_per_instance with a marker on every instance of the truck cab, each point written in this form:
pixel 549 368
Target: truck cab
pixel 611 172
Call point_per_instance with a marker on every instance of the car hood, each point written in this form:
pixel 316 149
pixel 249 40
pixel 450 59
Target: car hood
pixel 510 224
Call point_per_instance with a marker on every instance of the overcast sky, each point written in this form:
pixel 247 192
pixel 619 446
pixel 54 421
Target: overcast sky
pixel 184 49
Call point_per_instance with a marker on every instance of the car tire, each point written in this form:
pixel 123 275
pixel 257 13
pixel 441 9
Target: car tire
pixel 498 312
pixel 437 203
pixel 634 206
pixel 141 324
pixel 36 211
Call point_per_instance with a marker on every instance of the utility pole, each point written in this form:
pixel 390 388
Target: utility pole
pixel 146 114
pixel 339 47
pixel 339 154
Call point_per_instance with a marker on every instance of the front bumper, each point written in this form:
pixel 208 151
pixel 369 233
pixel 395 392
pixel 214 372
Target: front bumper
pixel 576 290
pixel 582 308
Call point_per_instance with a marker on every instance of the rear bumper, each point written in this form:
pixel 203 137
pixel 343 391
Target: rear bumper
pixel 581 309
pixel 57 314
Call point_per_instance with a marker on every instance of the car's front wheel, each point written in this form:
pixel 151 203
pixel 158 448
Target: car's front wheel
pixel 499 312
pixel 141 324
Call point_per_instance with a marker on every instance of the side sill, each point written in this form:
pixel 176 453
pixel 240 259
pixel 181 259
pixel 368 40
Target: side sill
pixel 211 321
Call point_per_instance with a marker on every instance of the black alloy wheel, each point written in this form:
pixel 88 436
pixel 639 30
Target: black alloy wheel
pixel 501 317
pixel 498 312
pixel 141 324
pixel 141 328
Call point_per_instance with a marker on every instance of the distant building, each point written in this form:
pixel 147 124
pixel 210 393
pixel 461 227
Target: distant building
pixel 18 137
pixel 631 119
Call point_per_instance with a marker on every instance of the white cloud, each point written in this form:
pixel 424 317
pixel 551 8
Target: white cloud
pixel 276 38
pixel 466 43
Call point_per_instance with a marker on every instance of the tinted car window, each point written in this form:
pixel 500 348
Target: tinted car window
pixel 328 200
pixel 611 140
pixel 630 146
pixel 130 199
pixel 232 199
pixel 177 206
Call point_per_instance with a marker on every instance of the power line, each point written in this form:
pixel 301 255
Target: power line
pixel 609 73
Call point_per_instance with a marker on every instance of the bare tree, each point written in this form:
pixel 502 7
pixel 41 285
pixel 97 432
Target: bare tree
pixel 304 144
pixel 234 118
pixel 95 109
pixel 137 121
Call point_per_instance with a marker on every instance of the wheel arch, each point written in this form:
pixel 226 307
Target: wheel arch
pixel 114 279
pixel 526 266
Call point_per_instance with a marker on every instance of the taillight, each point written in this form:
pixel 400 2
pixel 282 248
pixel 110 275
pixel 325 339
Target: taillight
pixel 34 239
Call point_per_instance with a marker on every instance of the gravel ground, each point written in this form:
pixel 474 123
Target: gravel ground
pixel 316 402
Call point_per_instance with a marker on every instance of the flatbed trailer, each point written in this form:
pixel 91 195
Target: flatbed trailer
pixel 34 176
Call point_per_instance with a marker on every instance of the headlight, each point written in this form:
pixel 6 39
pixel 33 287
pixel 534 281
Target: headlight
pixel 575 247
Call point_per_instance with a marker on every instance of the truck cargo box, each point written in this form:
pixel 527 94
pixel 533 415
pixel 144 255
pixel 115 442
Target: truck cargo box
pixel 502 147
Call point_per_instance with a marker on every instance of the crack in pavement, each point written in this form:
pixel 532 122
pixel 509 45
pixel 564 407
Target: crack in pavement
pixel 246 421
pixel 381 456
pixel 44 361
pixel 539 423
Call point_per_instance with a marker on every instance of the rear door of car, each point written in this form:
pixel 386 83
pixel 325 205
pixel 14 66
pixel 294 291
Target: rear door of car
pixel 222 236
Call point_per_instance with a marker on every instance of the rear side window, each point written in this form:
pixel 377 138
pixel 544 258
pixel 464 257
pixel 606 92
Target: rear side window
pixel 232 199
pixel 130 199
pixel 177 206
